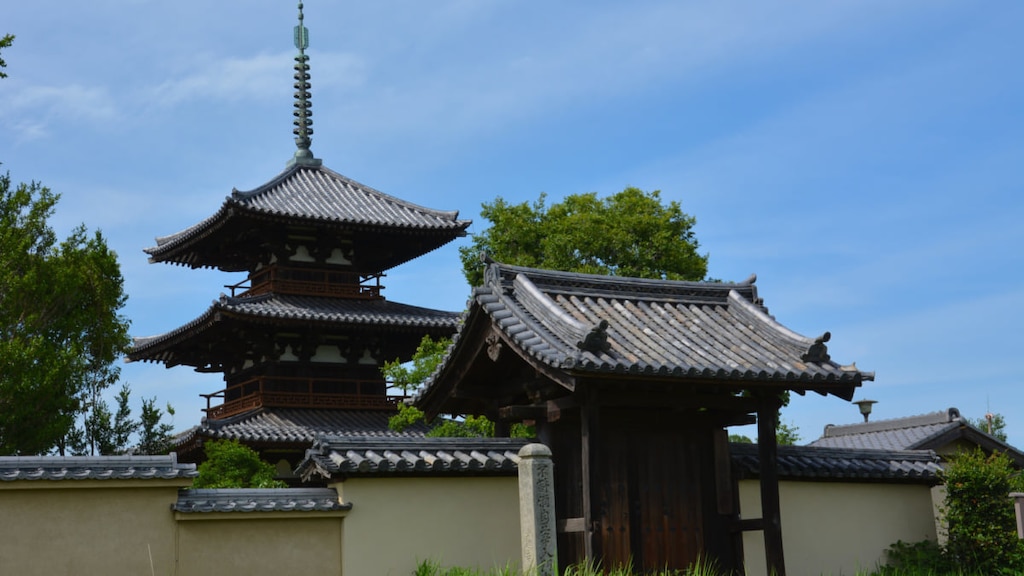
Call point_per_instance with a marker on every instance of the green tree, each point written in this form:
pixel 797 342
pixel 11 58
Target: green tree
pixel 154 435
pixel 232 465
pixel 786 434
pixel 60 326
pixel 105 432
pixel 979 514
pixel 631 233
pixel 5 42
pixel 997 428
pixel 411 375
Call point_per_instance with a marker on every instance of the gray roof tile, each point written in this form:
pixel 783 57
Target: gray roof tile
pixel 259 500
pixel 657 328
pixel 842 464
pixel 299 426
pixel 316 195
pixel 935 431
pixel 94 468
pixel 334 457
pixel 382 315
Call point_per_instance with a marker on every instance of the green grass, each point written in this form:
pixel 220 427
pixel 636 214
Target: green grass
pixel 700 568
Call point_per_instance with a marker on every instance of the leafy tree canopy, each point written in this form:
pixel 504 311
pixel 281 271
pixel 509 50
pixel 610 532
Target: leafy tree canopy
pixel 60 326
pixel 632 233
pixel 5 42
pixel 996 428
pixel 232 465
pixel 411 375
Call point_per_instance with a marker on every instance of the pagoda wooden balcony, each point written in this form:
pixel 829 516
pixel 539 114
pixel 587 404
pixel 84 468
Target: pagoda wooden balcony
pixel 278 392
pixel 302 282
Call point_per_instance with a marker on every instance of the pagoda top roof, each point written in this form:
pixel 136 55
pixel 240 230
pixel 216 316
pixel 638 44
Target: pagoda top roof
pixel 576 326
pixel 305 195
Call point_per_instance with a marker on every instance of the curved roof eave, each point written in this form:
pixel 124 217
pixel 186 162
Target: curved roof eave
pixel 320 196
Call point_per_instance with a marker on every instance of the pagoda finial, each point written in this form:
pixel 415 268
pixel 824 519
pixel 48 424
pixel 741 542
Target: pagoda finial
pixel 303 107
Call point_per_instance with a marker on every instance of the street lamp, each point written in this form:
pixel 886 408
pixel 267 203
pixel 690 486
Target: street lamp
pixel 865 407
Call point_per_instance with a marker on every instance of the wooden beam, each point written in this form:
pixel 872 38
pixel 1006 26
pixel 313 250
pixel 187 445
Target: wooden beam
pixel 519 413
pixel 767 451
pixel 569 525
pixel 747 525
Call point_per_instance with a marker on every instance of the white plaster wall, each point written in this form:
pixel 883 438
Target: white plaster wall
pixel 838 528
pixel 397 522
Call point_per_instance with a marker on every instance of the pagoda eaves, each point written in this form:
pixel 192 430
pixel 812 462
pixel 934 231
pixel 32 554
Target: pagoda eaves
pixel 320 207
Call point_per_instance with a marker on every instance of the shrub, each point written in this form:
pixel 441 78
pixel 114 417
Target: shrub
pixel 231 465
pixel 979 514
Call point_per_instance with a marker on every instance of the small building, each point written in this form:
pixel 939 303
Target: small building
pixel 632 383
pixel 944 432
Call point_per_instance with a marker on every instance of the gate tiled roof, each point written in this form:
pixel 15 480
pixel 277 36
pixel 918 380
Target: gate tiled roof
pixel 584 324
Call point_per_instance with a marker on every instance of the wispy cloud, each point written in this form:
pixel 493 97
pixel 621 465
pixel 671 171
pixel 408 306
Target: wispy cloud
pixel 28 111
pixel 251 79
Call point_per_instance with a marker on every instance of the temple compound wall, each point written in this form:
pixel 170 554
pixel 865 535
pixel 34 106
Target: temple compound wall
pixel 140 517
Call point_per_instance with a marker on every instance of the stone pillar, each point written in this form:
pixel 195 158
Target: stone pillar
pixel 537 510
pixel 1018 505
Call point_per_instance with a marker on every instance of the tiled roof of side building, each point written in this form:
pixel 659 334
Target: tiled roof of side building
pixel 315 195
pixel 259 500
pixel 338 457
pixel 942 431
pixel 585 324
pixel 382 315
pixel 300 426
pixel 14 468
pixel 891 434
pixel 841 464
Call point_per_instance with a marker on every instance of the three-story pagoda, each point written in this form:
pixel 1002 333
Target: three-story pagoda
pixel 301 341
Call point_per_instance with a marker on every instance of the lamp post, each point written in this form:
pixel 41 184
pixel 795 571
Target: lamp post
pixel 865 407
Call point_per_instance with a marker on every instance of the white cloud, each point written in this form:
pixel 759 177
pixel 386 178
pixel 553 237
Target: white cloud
pixel 255 78
pixel 28 111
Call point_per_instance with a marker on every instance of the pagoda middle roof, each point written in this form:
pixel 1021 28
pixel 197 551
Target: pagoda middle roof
pixel 309 196
pixel 283 309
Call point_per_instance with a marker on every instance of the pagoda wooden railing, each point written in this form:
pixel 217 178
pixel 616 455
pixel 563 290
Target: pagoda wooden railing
pixel 303 282
pixel 295 393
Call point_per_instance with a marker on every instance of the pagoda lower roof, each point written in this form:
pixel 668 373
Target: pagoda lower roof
pixel 378 316
pixel 311 197
pixel 298 426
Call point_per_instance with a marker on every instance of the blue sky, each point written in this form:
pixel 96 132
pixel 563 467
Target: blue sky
pixel 864 158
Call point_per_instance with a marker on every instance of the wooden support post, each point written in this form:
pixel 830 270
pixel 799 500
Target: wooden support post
pixel 587 418
pixel 767 449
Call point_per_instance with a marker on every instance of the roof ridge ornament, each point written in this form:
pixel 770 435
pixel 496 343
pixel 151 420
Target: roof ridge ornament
pixel 303 107
pixel 818 352
pixel 596 341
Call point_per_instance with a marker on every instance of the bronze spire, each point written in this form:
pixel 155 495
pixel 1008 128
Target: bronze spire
pixel 303 107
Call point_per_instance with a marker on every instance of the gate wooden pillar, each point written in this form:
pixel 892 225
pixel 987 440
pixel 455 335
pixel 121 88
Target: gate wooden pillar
pixel 767 447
